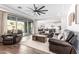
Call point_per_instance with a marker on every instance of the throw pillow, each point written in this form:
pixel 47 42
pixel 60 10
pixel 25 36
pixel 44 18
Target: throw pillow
pixel 65 35
pixel 60 36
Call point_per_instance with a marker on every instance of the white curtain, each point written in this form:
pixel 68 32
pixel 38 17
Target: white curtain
pixel 3 22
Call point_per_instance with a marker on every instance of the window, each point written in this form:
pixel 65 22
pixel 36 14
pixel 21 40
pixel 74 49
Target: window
pixel 20 26
pixel 11 24
pixel 19 23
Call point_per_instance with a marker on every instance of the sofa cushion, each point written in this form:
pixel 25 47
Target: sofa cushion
pixel 59 42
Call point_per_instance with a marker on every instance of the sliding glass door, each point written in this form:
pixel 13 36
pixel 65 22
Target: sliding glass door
pixel 19 23
pixel 11 24
pixel 30 27
pixel 25 27
pixel 20 26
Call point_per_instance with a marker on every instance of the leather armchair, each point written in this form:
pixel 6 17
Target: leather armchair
pixel 11 39
pixel 63 46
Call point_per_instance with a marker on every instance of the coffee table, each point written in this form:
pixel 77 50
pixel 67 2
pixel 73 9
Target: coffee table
pixel 40 38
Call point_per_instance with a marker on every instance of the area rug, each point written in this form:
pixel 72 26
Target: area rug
pixel 44 47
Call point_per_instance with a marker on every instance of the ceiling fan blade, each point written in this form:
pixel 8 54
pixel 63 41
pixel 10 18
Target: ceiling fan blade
pixel 35 7
pixel 34 13
pixel 44 10
pixel 30 9
pixel 38 13
pixel 41 7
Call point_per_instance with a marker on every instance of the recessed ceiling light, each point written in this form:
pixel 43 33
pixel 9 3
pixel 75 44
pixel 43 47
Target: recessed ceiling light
pixel 19 7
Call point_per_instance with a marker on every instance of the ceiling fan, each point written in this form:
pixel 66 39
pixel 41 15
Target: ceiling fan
pixel 37 10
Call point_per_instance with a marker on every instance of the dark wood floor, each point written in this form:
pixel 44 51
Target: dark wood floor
pixel 18 48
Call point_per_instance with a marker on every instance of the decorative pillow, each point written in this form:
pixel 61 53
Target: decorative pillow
pixel 60 36
pixel 65 35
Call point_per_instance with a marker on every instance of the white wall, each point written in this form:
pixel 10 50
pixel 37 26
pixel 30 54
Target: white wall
pixel 64 18
pixel 49 23
pixel 64 22
pixel 34 30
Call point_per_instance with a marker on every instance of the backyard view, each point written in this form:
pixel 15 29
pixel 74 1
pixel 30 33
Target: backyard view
pixel 16 25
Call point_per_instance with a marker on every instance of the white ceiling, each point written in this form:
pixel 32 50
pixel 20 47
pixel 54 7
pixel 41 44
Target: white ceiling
pixel 54 10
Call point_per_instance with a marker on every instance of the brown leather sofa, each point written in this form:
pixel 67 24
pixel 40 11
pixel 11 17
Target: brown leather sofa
pixel 63 46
